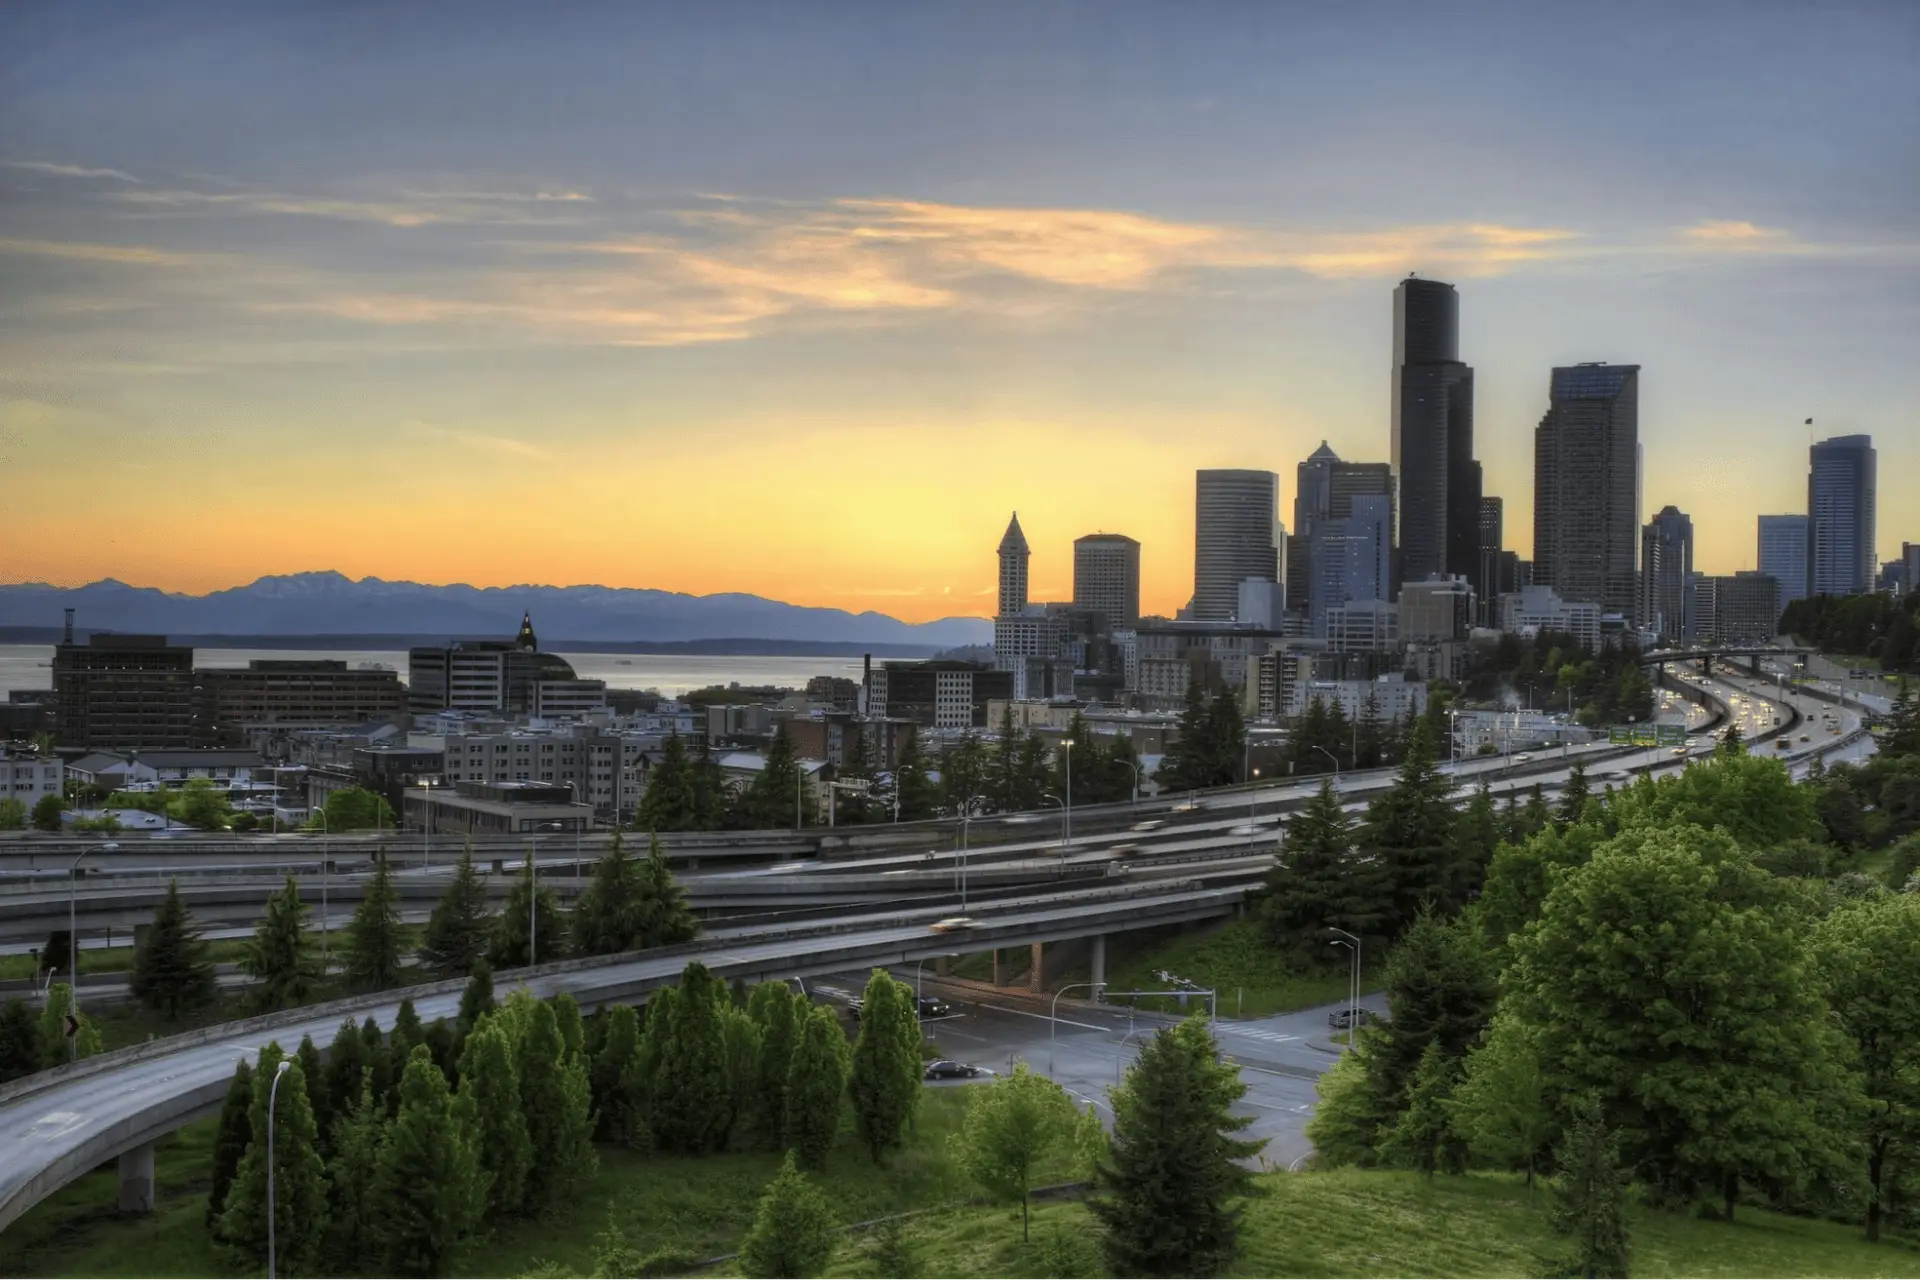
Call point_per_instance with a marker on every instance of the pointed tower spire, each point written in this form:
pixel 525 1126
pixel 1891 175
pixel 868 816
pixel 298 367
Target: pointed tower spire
pixel 525 640
pixel 1013 569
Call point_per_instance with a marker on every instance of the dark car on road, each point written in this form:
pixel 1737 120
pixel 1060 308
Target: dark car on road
pixel 1342 1019
pixel 947 1069
pixel 933 1007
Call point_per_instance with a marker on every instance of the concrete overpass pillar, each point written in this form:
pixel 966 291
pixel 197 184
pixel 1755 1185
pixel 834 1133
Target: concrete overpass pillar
pixel 1037 974
pixel 1754 664
pixel 1098 959
pixel 136 1180
pixel 996 966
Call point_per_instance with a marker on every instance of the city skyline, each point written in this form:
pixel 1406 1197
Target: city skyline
pixel 419 332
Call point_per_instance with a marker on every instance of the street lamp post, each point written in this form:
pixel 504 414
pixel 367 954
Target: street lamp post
pixel 273 1095
pixel 73 942
pixel 1053 1015
pixel 1067 811
pixel 1135 766
pixel 1352 943
pixel 533 889
pixel 326 923
pixel 1335 759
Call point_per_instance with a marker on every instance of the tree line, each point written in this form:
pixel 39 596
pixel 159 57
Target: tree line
pixel 1877 625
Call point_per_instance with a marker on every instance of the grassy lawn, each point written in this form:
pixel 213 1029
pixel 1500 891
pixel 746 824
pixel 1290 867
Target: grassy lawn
pixel 1252 979
pixel 114 959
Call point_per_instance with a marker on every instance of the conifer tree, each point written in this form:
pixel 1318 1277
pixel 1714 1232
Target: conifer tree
pixel 352 1242
pixel 668 804
pixel 556 1099
pixel 1319 882
pixel 1476 834
pixel 573 1031
pixel 774 1010
pixel 689 1092
pixel 374 936
pixel 459 929
pixel 1409 830
pixel 617 1088
pixel 490 1086
pixel 346 1073
pixel 886 1073
pixel 1573 795
pixel 379 1064
pixel 19 1040
pixel 661 910
pixel 740 1041
pixel 1590 1200
pixel 793 1230
pixel 279 957
pixel 1423 1139
pixel 476 1001
pixel 172 972
pixel 443 1044
pixel 606 919
pixel 429 1187
pixel 300 1178
pixel 1174 1175
pixel 317 1097
pixel 509 946
pixel 230 1139
pixel 913 787
pixel 710 794
pixel 816 1083
pixel 407 1032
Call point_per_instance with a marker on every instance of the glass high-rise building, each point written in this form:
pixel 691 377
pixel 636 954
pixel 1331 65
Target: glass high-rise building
pixel 1840 516
pixel 1783 555
pixel 1586 487
pixel 1236 536
pixel 1325 490
pixel 1666 567
pixel 1433 463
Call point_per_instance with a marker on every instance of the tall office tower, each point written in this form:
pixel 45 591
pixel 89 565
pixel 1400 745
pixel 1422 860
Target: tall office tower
pixel 1586 472
pixel 1783 555
pixel 1666 564
pixel 1439 481
pixel 1235 537
pixel 1352 559
pixel 1491 582
pixel 1840 516
pixel 1106 576
pixel 1326 489
pixel 1013 569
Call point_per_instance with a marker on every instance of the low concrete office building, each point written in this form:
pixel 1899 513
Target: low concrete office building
pixel 495 808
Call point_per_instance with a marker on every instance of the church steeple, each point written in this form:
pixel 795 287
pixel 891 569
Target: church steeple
pixel 1013 569
pixel 525 640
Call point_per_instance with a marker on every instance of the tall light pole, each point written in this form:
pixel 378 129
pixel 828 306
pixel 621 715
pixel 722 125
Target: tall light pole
pixel 273 1095
pixel 1352 943
pixel 1332 757
pixel 966 824
pixel 1053 1016
pixel 326 924
pixel 426 825
pixel 1135 766
pixel 1067 839
pixel 533 890
pixel 73 942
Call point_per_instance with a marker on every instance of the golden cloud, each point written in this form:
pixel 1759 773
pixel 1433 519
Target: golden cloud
pixel 76 251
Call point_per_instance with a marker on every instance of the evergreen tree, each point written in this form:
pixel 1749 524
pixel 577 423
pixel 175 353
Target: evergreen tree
pixel 509 948
pixel 374 935
pixel 1033 770
pixel 300 1179
pixel 573 1029
pixel 1011 1126
pixel 1175 1175
pixel 1591 1200
pixel 606 919
pixel 1732 742
pixel 457 932
pixel 710 794
pixel 172 973
pixel 490 1086
pixel 775 1011
pixel 556 1098
pixel 1440 989
pixel 230 1138
pixel 1318 883
pixel 1536 816
pixel 793 1230
pixel 1004 785
pixel 689 1093
pixel 617 1088
pixel 317 1097
pixel 668 802
pixel 1409 830
pixel 443 1043
pixel 1476 834
pixel 346 1068
pixel 740 1043
pixel 917 793
pixel 1423 1137
pixel 379 1068
pixel 661 912
pixel 886 1079
pixel 816 1082
pixel 407 1032
pixel 777 798
pixel 476 1000
pixel 1573 795
pixel 429 1187
pixel 1184 765
pixel 1342 735
pixel 279 957
pixel 19 1040
pixel 1900 738
pixel 963 773
pixel 352 1242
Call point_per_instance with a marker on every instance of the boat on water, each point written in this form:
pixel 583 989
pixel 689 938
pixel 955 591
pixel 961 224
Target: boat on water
pixel 618 662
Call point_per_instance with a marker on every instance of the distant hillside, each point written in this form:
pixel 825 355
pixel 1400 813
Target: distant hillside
pixel 327 604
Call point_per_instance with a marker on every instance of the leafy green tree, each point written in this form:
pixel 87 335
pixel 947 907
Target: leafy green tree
pixel 816 1082
pixel 1345 1126
pixel 1706 1038
pixel 690 1093
pixel 661 912
pixel 1867 956
pixel 352 1241
pixel 203 807
pixel 300 1178
pixel 1751 798
pixel 669 804
pixel 13 814
pixel 510 947
pixel 886 1080
pixel 55 1049
pixel 279 957
pixel 19 1040
pixel 354 809
pixel 1409 830
pixel 1591 1199
pixel 1423 1138
pixel 490 1088
pixel 476 999
pixel 618 1091
pixel 457 932
pixel 1319 883
pixel 556 1098
pixel 573 1031
pixel 172 972
pixel 775 1011
pixel 230 1138
pixel 46 813
pixel 375 937
pixel 1011 1128
pixel 890 1251
pixel 1174 1180
pixel 429 1186
pixel 740 1040
pixel 793 1229
pixel 1499 1106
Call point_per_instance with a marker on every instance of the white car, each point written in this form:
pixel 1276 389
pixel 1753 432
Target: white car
pixel 953 924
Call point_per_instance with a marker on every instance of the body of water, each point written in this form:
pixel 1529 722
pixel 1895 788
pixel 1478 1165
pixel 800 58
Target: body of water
pixel 28 666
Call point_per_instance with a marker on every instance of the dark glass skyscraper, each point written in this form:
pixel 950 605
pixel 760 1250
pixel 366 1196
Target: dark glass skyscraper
pixel 1841 479
pixel 1325 491
pixel 1586 487
pixel 1439 481
pixel 1666 575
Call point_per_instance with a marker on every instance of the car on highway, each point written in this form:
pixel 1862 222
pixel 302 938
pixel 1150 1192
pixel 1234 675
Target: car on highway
pixel 1805 738
pixel 1523 757
pixel 933 1007
pixel 1343 1018
pixel 1151 824
pixel 953 924
pixel 948 1069
pixel 1679 751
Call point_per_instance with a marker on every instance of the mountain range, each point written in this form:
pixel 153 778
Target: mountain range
pixel 332 604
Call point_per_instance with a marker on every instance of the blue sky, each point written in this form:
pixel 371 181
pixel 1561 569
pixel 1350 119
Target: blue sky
pixel 665 280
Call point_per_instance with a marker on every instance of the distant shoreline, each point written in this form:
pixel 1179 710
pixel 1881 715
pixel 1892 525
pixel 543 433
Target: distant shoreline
pixel 734 647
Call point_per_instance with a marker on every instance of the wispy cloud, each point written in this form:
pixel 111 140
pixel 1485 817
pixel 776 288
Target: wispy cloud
pixel 480 442
pixel 405 209
pixel 1731 234
pixel 68 170
pixel 78 251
